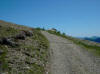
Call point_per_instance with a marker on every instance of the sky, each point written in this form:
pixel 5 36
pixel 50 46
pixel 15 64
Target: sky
pixel 78 18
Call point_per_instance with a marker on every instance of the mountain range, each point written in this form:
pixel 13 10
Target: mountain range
pixel 93 38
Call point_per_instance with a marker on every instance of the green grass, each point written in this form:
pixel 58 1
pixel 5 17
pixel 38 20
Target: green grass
pixel 92 48
pixel 7 31
pixel 3 62
pixel 37 69
pixel 43 44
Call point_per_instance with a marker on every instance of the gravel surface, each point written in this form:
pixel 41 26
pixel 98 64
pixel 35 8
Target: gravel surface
pixel 69 58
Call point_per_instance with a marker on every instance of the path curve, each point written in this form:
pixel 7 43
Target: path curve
pixel 68 58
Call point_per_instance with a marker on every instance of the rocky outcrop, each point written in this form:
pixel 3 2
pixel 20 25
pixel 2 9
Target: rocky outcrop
pixel 28 33
pixel 10 40
pixel 7 41
pixel 23 34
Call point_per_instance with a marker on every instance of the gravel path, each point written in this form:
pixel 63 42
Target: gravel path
pixel 68 58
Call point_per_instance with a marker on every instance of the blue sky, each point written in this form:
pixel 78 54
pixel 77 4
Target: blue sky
pixel 77 18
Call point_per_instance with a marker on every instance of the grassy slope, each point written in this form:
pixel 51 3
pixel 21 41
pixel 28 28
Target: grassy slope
pixel 90 46
pixel 30 57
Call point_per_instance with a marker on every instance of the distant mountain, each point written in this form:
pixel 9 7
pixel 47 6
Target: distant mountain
pixel 94 38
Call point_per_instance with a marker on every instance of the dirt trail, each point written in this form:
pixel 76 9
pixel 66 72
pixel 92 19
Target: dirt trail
pixel 68 58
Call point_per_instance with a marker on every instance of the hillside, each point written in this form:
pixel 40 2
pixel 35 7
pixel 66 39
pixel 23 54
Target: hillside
pixel 23 50
pixel 94 38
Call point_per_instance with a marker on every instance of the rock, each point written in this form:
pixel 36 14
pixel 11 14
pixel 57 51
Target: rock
pixel 26 53
pixel 4 41
pixel 28 33
pixel 21 36
pixel 27 67
pixel 7 41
